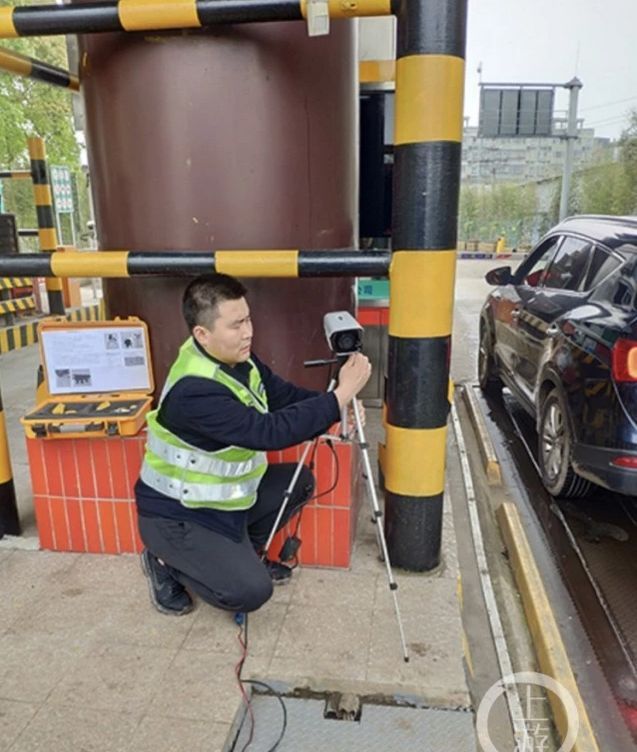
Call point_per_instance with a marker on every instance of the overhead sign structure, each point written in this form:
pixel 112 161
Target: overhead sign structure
pixel 510 111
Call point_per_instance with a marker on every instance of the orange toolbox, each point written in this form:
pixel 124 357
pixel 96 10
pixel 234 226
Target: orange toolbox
pixel 98 379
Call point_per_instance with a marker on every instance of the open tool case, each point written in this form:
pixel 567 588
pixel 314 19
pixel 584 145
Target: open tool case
pixel 98 379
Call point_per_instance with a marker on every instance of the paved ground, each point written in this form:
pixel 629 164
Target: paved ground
pixel 88 665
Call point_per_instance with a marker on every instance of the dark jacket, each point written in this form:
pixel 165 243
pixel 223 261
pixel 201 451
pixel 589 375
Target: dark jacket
pixel 208 415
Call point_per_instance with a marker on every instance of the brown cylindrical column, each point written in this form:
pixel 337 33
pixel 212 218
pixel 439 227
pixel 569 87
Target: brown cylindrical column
pixel 242 137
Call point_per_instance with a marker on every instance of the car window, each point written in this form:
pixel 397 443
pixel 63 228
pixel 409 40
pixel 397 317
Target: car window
pixel 602 263
pixel 531 270
pixel 624 293
pixel 569 264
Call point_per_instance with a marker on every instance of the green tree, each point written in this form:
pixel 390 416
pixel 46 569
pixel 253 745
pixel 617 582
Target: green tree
pixel 487 212
pixel 30 108
pixel 628 160
pixel 610 187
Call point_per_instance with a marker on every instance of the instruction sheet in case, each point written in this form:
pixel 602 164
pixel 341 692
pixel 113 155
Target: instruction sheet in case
pixel 96 359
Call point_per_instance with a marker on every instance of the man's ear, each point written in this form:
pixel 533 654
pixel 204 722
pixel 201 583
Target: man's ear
pixel 200 333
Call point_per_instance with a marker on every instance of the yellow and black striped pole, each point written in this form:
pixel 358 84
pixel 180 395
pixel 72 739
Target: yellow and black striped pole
pixel 144 15
pixel 15 174
pixel 46 219
pixel 248 263
pixel 21 65
pixel 428 135
pixel 9 521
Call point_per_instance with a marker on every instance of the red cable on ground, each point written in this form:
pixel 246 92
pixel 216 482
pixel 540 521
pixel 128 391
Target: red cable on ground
pixel 246 699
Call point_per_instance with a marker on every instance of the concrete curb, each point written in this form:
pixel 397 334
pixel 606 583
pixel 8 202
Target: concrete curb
pixel 550 649
pixel 551 653
pixel 490 460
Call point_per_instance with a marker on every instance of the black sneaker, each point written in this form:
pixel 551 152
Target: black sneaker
pixel 167 594
pixel 280 573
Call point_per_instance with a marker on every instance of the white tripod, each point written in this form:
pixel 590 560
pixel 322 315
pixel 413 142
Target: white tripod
pixel 377 514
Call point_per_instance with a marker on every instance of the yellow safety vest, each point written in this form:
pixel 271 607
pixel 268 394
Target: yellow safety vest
pixel 227 479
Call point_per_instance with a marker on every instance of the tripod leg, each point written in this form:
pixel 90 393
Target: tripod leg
pixel 286 497
pixel 290 488
pixel 380 531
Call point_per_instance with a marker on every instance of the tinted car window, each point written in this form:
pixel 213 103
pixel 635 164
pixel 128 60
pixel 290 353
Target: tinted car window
pixel 602 263
pixel 568 268
pixel 624 293
pixel 532 269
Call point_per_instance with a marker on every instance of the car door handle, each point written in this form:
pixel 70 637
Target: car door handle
pixel 552 330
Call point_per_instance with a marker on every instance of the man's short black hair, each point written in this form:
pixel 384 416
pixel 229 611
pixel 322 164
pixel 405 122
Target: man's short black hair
pixel 203 295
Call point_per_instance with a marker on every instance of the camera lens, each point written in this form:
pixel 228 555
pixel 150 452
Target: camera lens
pixel 346 342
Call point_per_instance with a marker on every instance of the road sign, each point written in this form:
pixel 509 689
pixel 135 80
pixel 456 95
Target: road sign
pixel 62 189
pixel 507 112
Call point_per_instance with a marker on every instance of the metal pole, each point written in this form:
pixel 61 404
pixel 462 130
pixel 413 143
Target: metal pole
pixel 264 263
pixel 141 15
pixel 46 221
pixel 9 521
pixel 21 65
pixel 15 174
pixel 427 161
pixel 574 87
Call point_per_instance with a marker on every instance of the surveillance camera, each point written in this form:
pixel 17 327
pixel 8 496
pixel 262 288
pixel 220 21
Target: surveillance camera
pixel 344 334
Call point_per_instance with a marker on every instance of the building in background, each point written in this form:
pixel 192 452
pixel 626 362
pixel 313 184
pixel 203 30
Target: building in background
pixel 526 159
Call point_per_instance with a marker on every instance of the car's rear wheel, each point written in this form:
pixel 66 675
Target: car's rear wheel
pixel 487 371
pixel 555 448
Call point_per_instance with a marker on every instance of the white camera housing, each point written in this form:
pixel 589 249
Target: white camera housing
pixel 343 333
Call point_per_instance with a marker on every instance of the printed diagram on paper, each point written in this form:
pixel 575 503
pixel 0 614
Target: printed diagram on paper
pixel 99 359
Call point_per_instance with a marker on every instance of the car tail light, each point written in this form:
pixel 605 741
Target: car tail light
pixel 624 356
pixel 630 717
pixel 629 463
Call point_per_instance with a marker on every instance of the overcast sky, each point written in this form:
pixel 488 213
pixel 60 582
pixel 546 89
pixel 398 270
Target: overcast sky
pixel 550 41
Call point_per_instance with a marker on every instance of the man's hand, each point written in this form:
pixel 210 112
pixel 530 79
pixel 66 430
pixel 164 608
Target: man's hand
pixel 352 378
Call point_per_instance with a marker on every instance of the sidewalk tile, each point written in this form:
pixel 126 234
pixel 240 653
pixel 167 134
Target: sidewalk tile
pixel 175 735
pixel 435 654
pixel 200 685
pixel 14 717
pixel 27 578
pixel 419 592
pixel 116 677
pixel 64 729
pixel 322 587
pixel 323 641
pixel 216 631
pixel 31 666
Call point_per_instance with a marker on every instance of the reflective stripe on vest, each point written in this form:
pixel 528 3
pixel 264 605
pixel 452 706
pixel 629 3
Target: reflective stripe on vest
pixel 199 461
pixel 200 494
pixel 226 479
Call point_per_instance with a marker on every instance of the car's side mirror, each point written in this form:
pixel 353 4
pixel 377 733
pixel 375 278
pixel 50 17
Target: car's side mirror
pixel 500 276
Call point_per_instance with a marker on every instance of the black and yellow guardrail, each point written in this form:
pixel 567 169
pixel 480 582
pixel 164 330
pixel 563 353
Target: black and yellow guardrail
pixel 141 15
pixel 24 334
pixel 248 263
pixel 28 67
pixel 9 283
pixel 429 91
pixel 47 233
pixel 15 174
pixel 16 305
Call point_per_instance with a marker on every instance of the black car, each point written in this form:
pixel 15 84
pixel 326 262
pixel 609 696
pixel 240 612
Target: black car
pixel 561 333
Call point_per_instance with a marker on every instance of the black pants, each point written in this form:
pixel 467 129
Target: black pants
pixel 222 572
